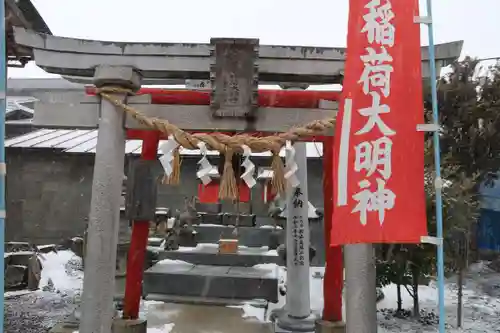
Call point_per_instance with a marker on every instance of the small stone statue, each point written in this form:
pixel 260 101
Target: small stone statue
pixel 172 233
pixel 274 212
pixel 186 221
pixel 189 216
pixel 180 230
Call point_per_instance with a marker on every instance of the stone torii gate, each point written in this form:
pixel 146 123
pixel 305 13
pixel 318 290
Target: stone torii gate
pixel 128 66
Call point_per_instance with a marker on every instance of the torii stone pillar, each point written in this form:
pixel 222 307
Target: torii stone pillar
pixel 102 238
pixel 361 295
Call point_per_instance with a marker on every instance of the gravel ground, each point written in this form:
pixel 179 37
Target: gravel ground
pixel 36 312
pixel 39 311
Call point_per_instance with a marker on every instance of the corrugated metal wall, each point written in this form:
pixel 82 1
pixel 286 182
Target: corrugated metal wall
pixel 488 231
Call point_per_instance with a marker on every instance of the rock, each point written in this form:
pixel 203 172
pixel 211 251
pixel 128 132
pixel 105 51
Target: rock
pixel 19 258
pixel 495 265
pixel 47 248
pixel 50 286
pixel 15 276
pixel 17 246
pixel 380 295
pixel 78 246
pixel 34 273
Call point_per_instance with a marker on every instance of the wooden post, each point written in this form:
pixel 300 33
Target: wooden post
pixel 333 281
pixel 139 241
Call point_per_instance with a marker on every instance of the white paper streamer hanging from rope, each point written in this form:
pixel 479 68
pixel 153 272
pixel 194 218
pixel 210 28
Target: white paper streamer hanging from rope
pixel 247 176
pixel 204 165
pixel 290 165
pixel 168 155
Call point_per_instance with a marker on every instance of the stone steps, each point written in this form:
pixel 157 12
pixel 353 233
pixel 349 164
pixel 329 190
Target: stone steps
pixel 203 255
pixel 176 278
pixel 196 300
pixel 227 219
pixel 203 276
pixel 247 236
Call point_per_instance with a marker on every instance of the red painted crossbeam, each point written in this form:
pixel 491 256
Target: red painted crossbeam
pixel 135 134
pixel 267 98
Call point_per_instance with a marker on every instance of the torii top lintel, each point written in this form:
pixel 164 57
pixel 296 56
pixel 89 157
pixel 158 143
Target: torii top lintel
pixel 234 66
pixel 172 63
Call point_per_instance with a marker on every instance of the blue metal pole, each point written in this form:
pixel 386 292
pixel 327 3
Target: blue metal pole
pixel 3 104
pixel 437 161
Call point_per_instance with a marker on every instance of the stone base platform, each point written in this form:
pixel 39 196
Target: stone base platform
pixel 119 326
pixel 248 236
pixel 215 282
pixel 323 326
pixel 208 253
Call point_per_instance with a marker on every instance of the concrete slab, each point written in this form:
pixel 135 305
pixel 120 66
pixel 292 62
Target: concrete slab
pixel 223 282
pixel 129 326
pixel 188 318
pixel 17 246
pixel 323 326
pixel 62 328
pixel 276 329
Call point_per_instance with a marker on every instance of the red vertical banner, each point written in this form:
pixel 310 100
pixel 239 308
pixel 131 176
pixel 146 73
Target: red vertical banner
pixel 379 154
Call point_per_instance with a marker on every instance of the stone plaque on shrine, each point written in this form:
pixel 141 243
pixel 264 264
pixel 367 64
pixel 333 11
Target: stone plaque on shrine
pixel 234 77
pixel 141 191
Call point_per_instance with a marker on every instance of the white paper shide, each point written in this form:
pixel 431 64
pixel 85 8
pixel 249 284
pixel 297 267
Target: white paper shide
pixel 290 165
pixel 372 157
pixel 248 175
pixel 168 154
pixel 204 165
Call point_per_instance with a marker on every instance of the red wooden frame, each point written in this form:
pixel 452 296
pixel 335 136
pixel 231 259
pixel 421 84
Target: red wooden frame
pixel 333 280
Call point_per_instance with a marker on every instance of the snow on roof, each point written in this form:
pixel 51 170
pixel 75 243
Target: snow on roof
pixel 85 141
pixel 15 103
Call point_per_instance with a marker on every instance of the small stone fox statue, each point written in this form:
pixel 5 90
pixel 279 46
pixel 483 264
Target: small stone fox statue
pixel 171 242
pixel 189 216
pixel 181 232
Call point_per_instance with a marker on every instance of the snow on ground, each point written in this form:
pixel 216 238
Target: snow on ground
pixel 62 278
pixel 62 269
pixel 481 304
pixel 481 298
pixel 60 285
pixel 165 329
